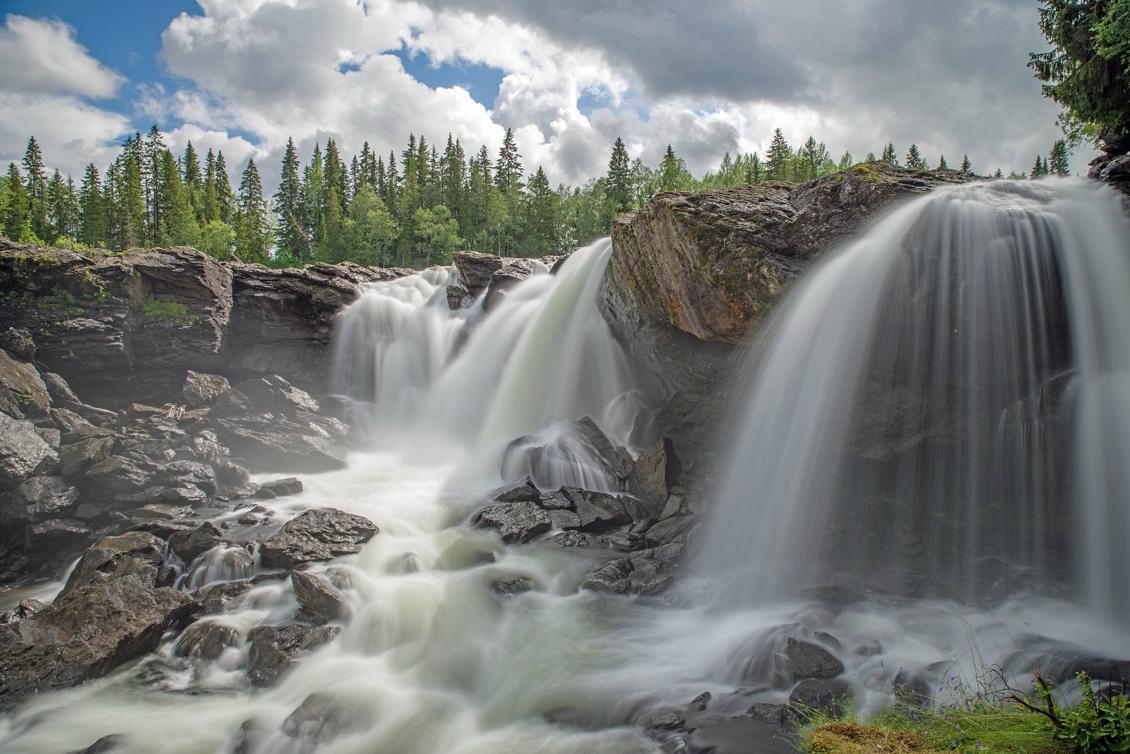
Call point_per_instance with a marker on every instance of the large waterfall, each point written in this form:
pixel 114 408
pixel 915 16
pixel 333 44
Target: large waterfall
pixel 942 409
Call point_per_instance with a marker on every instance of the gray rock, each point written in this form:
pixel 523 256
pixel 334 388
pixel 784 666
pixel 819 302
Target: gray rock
pixel 828 695
pixel 133 553
pixel 653 475
pixel 118 475
pixel 22 392
pixel 85 634
pixel 191 545
pixel 598 511
pixel 324 716
pixel 808 660
pixel 315 535
pixel 206 640
pixel 614 577
pixel 570 539
pixel 104 745
pixel 79 456
pixel 19 343
pixel 280 487
pixel 511 586
pixel 273 394
pixel 275 648
pixel 518 492
pixel 25 609
pixel 23 453
pixel 43 497
pixel 319 600
pixel 201 389
pixel 739 735
pixel 515 522
pixel 219 598
pixel 74 427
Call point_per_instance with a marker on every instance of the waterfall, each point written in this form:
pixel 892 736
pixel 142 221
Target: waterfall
pixel 941 408
pixel 544 355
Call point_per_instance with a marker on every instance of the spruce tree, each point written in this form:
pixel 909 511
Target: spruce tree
pixel 889 155
pixel 942 163
pixel 846 161
pixel 17 219
pixel 225 197
pixel 541 230
pixel 211 204
pixel 178 221
pixel 1057 162
pixel 870 157
pixel 193 181
pixel 92 211
pixel 914 159
pixel 755 170
pixel 61 214
pixel 619 179
pixel 292 242
pixel 966 165
pixel 151 177
pixel 779 157
pixel 132 215
pixel 254 233
pixel 36 187
pixel 508 170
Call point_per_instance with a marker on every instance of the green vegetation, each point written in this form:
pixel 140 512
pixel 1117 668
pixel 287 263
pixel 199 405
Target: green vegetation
pixel 168 311
pixel 995 719
pixel 1087 71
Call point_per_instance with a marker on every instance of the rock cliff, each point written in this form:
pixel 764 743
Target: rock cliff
pixel 692 274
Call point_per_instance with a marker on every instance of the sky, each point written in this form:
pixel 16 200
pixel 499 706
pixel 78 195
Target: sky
pixel 569 76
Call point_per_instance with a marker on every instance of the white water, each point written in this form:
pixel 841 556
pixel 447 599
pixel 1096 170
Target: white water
pixel 891 429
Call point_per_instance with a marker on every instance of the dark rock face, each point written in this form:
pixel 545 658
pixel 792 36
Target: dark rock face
pixel 201 389
pixel 1113 166
pixel 567 444
pixel 515 522
pixel 829 695
pixel 275 648
pixel 476 273
pixel 319 600
pixel 206 640
pixel 23 452
pixel 690 275
pixel 189 545
pixel 85 634
pixel 134 323
pixel 316 535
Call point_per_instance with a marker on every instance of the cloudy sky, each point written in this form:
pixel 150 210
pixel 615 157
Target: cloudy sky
pixel 568 75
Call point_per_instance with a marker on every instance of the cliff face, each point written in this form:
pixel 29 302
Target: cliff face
pixel 691 275
pixel 126 327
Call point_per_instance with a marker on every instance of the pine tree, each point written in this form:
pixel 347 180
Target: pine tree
pixel 61 212
pixel 942 163
pixel 178 221
pixel 36 187
pixel 619 185
pixel 225 197
pixel 92 212
pixel 541 229
pixel 17 219
pixel 334 171
pixel 193 181
pixel 151 176
pixel 966 165
pixel 132 216
pixel 871 157
pixel 211 204
pixel 1057 160
pixel 755 170
pixel 846 161
pixel 254 233
pixel 508 170
pixel 1039 170
pixel 889 155
pixel 998 175
pixel 778 158
pixel 392 185
pixel 914 159
pixel 292 239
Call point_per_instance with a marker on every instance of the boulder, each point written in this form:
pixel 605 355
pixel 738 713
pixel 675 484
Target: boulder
pixel 105 745
pixel 279 488
pixel 134 553
pixel 84 634
pixel 1112 165
pixel 515 522
pixel 739 735
pixel 473 272
pixel 206 640
pixel 654 473
pixel 509 275
pixel 319 600
pixel 23 453
pixel 22 391
pixel 830 696
pixel 201 389
pixel 77 457
pixel 314 535
pixel 191 545
pixel 119 475
pixel 219 598
pixel 567 444
pixel 19 343
pixel 273 394
pixel 267 442
pixel 275 648
pixel 40 497
pixel 324 716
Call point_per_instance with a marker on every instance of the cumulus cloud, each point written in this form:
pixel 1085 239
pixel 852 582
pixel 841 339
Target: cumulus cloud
pixel 43 57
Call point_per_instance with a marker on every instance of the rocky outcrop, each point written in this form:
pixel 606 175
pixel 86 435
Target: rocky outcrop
pixel 1113 166
pixel 692 274
pixel 315 535
pixel 477 273
pixel 133 324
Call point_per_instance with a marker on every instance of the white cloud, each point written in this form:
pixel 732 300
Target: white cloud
pixel 71 133
pixel 43 57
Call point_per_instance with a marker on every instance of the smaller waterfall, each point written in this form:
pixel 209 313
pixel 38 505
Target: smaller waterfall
pixel 543 355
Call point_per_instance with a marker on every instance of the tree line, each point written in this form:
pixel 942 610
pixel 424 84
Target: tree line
pixel 412 209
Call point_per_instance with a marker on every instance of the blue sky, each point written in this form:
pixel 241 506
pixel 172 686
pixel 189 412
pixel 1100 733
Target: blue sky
pixel 567 77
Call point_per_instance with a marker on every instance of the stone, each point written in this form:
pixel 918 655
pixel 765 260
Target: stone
pixel 740 735
pixel 570 539
pixel 84 634
pixel 273 394
pixel 22 392
pixel 73 427
pixel 808 660
pixel 473 272
pixel 18 343
pixel 579 442
pixel 516 523
pixel 77 457
pixel 613 577
pixel 206 640
pixel 104 745
pixel 275 648
pixel 133 553
pixel 324 716
pixel 827 695
pixel 280 487
pixel 305 444
pixel 319 534
pixel 518 492
pixel 319 600
pixel 653 475
pixel 510 587
pixel 219 598
pixel 201 389
pixel 191 545
pixel 512 272
pixel 25 609
pixel 23 453
pixel 118 475
pixel 598 511
pixel 42 497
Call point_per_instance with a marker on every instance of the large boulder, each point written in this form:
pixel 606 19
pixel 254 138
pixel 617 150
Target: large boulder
pixel 275 648
pixel 23 452
pixel 692 274
pixel 319 600
pixel 316 535
pixel 515 522
pixel 22 390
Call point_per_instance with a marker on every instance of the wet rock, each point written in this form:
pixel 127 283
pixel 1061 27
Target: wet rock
pixel 201 389
pixel 739 735
pixel 564 519
pixel 319 600
pixel 191 545
pixel 280 487
pixel 25 609
pixel 274 394
pixel 84 634
pixel 118 475
pixel 473 272
pixel 22 392
pixel 105 745
pixel 23 453
pixel 509 275
pixel 570 539
pixel 323 716
pixel 808 660
pixel 275 648
pixel 206 640
pixel 316 535
pixel 19 343
pixel 598 511
pixel 614 577
pixel 654 473
pixel 133 553
pixel 828 695
pixel 515 522
pixel 40 497
pixel 73 427
pixel 186 495
pixel 512 586
pixel 307 444
pixel 566 444
pixel 55 538
pixel 219 598
pixel 79 456
pixel 524 491
pixel 673 530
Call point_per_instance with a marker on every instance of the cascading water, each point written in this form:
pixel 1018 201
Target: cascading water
pixel 942 409
pixel 544 356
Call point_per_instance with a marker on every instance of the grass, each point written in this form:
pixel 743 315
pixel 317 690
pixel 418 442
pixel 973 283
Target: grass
pixel 168 311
